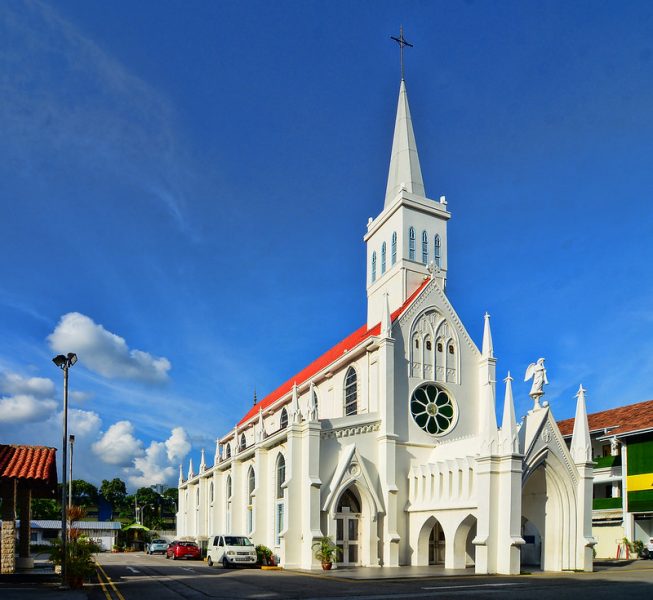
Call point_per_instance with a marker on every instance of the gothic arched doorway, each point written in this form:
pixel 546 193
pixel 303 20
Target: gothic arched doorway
pixel 436 545
pixel 348 513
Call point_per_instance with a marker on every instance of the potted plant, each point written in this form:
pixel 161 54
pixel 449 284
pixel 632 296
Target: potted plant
pixel 263 555
pixel 326 551
pixel 79 559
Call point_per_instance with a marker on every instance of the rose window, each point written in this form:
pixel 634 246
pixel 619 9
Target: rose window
pixel 432 409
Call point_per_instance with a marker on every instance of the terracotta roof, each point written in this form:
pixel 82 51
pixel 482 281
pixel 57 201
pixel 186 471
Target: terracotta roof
pixel 330 356
pixel 35 465
pixel 621 420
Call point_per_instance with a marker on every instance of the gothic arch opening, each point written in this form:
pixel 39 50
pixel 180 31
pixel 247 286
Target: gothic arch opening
pixel 547 497
pixel 431 543
pixel 348 527
pixel 463 549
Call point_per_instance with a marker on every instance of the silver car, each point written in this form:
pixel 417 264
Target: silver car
pixel 157 546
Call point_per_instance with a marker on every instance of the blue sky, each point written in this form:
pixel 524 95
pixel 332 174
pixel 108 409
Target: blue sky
pixel 185 187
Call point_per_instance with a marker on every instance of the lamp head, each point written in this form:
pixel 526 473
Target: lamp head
pixel 72 358
pixel 71 438
pixel 59 360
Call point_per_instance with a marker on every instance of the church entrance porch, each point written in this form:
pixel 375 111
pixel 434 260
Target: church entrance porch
pixel 348 528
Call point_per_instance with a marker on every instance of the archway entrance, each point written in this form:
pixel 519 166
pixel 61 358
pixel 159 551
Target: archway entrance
pixel 436 545
pixel 348 513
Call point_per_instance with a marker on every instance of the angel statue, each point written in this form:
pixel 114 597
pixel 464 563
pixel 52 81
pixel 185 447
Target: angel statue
pixel 538 372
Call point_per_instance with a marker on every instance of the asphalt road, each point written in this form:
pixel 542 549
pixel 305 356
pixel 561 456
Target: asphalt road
pixel 140 577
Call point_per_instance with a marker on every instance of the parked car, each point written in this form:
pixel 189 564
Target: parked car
pixel 178 549
pixel 157 546
pixel 230 550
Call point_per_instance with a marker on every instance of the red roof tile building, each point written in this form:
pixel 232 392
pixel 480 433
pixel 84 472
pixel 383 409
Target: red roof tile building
pixel 25 472
pixel 388 442
pixel 622 449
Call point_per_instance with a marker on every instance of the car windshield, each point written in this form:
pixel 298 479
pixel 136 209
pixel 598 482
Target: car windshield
pixel 234 540
pixel 159 542
pixel 188 544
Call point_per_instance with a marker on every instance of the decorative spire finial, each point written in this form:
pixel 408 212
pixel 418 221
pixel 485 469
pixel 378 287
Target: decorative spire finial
pixel 401 40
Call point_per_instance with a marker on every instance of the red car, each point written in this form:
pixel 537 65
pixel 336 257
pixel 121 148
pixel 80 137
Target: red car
pixel 183 550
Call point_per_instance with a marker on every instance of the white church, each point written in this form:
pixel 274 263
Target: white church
pixel 389 442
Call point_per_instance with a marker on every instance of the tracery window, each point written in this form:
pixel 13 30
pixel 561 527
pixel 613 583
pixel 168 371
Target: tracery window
pixel 411 243
pixel 436 246
pixel 383 253
pixel 227 451
pixel 373 266
pixel 393 248
pixel 432 409
pixel 283 422
pixel 351 392
pixel 243 441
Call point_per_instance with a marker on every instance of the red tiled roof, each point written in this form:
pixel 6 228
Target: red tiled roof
pixel 624 419
pixel 330 356
pixel 33 464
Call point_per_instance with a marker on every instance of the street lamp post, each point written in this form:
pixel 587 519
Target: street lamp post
pixel 64 363
pixel 71 439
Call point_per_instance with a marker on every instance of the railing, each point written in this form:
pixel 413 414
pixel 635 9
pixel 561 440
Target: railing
pixel 603 462
pixel 606 503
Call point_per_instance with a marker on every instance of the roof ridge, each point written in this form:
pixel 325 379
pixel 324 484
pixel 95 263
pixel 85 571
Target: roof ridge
pixel 329 357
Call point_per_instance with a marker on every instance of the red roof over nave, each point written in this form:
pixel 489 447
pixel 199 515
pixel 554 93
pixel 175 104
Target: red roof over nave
pixel 330 356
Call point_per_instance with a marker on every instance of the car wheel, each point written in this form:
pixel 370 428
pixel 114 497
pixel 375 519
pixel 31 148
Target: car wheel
pixel 209 561
pixel 225 563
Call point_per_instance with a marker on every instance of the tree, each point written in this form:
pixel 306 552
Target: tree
pixel 115 493
pixel 43 508
pixel 83 493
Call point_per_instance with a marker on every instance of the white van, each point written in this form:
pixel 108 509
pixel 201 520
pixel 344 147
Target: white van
pixel 228 550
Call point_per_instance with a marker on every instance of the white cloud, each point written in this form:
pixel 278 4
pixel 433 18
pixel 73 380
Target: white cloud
pixel 118 446
pixel 159 464
pixel 12 383
pixel 83 423
pixel 23 408
pixel 79 397
pixel 27 399
pixel 177 445
pixel 104 352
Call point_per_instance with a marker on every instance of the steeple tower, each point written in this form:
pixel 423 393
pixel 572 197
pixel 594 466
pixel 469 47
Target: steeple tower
pixel 408 240
pixel 404 171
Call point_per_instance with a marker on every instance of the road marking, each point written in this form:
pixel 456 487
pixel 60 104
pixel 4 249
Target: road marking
pixel 133 570
pixel 460 587
pixel 188 569
pixel 113 587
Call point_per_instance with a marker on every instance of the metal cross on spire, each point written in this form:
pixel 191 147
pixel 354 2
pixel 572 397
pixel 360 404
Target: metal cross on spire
pixel 401 40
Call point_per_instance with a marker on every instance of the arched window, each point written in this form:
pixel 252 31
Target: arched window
pixel 411 243
pixel 211 493
pixel 281 475
pixel 428 358
pixel 383 253
pixel 349 502
pixel 228 492
pixel 280 507
pixel 373 266
pixel 425 247
pixel 436 245
pixel 351 392
pixel 243 441
pixel 227 451
pixel 283 422
pixel 393 248
pixel 251 484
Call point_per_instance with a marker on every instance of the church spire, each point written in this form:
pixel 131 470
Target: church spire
pixel 509 428
pixel 386 319
pixel 404 162
pixel 581 446
pixel 487 348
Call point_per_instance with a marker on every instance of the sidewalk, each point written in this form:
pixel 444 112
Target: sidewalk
pixel 36 584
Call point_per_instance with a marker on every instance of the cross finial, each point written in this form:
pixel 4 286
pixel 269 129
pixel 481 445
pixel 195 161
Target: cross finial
pixel 401 40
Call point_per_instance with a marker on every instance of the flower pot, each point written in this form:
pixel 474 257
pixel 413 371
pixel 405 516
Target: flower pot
pixel 327 566
pixel 75 582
